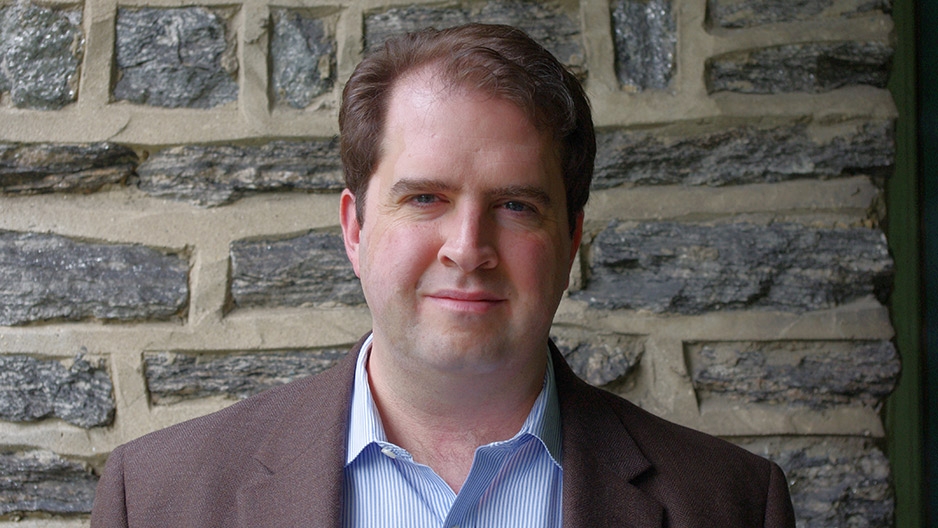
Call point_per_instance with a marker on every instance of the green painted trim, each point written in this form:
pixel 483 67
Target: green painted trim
pixel 904 424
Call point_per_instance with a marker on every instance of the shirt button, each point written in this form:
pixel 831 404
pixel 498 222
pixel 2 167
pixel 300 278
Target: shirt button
pixel 390 454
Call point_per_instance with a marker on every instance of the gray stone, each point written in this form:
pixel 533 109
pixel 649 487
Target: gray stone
pixel 811 67
pixel 40 54
pixel 692 269
pixel 32 389
pixel 43 482
pixel 545 22
pixel 173 377
pixel 41 168
pixel 835 482
pixel 302 54
pixel 311 269
pixel 599 358
pixel 645 38
pixel 49 278
pixel 217 175
pixel 816 374
pixel 732 155
pixel 175 57
pixel 750 13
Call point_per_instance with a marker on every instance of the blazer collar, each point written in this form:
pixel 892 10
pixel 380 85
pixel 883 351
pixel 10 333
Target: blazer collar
pixel 600 460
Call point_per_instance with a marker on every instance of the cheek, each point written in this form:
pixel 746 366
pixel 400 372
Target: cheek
pixel 396 253
pixel 539 264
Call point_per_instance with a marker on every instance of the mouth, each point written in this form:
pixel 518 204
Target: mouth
pixel 466 301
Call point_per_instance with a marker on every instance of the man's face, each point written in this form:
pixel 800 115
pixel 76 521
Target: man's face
pixel 465 250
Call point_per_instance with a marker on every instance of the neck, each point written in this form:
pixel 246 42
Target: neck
pixel 442 417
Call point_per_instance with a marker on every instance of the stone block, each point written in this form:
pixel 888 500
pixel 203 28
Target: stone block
pixel 43 482
pixel 33 389
pixel 211 175
pixel 173 377
pixel 40 54
pixel 665 267
pixel 834 481
pixel 50 278
pixel 311 269
pixel 175 57
pixel 597 357
pixel 546 22
pixel 302 55
pixel 750 13
pixel 41 168
pixel 645 39
pixel 817 374
pixel 811 67
pixel 743 154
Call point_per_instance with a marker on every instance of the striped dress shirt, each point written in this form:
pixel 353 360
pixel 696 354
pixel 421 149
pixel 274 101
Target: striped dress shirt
pixel 512 483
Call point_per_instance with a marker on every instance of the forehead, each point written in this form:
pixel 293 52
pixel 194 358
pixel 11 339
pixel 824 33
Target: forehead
pixel 431 82
pixel 431 123
pixel 420 102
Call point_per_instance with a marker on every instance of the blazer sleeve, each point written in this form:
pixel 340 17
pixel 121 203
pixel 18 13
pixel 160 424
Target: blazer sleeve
pixel 779 512
pixel 110 506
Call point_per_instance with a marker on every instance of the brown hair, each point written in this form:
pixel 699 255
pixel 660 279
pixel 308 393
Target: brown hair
pixel 500 60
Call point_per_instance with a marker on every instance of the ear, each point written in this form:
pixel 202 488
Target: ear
pixel 577 236
pixel 574 244
pixel 351 231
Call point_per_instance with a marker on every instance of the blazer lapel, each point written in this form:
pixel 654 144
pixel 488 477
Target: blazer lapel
pixel 601 461
pixel 301 463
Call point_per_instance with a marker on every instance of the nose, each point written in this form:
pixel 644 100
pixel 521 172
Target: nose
pixel 469 240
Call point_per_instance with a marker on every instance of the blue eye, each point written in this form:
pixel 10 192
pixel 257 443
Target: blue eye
pixel 517 207
pixel 425 198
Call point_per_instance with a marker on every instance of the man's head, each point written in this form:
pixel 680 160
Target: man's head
pixel 468 155
pixel 499 61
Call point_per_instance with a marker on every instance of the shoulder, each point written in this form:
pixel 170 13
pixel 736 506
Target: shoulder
pixel 696 478
pixel 308 402
pixel 173 474
pixel 238 426
pixel 667 443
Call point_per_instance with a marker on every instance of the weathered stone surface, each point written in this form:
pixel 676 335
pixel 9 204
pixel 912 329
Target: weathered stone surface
pixel 811 67
pixel 302 54
pixel 599 358
pixel 217 175
pixel 42 481
pixel 816 374
pixel 691 269
pixel 32 389
pixel 40 168
pixel 40 54
pixel 834 481
pixel 545 22
pixel 750 13
pixel 645 38
pixel 172 377
pixel 742 154
pixel 49 277
pixel 311 269
pixel 175 57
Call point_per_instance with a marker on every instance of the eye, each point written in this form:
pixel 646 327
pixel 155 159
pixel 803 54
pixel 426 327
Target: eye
pixel 517 207
pixel 425 198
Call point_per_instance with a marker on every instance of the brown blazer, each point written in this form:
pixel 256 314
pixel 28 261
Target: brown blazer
pixel 277 459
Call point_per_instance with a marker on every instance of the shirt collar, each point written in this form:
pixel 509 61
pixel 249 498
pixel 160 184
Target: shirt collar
pixel 365 427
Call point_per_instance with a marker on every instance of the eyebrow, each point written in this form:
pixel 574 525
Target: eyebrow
pixel 422 185
pixel 425 185
pixel 527 192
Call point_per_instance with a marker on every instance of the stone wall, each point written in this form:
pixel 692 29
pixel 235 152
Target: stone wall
pixel 169 239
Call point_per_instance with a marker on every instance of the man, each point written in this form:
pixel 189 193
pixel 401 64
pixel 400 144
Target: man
pixel 468 154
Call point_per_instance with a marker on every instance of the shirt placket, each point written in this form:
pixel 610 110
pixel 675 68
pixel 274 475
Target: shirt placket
pixel 488 463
